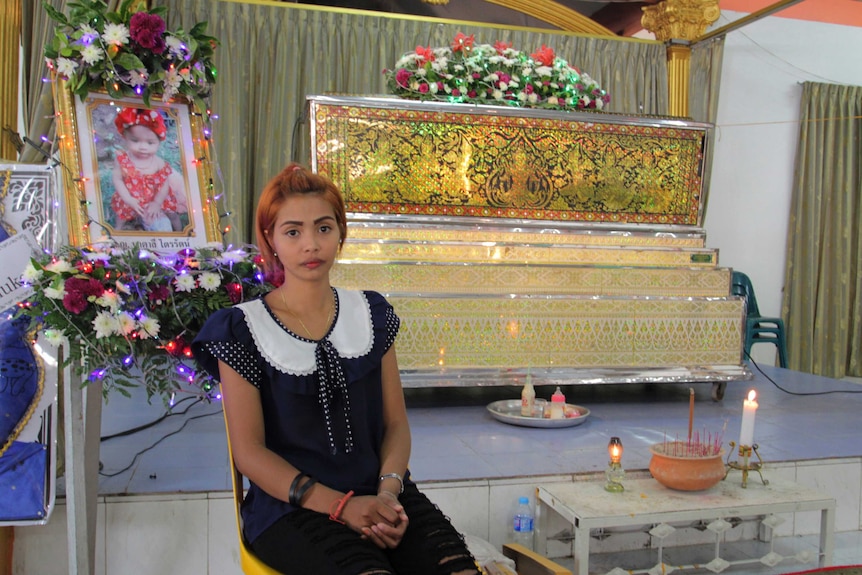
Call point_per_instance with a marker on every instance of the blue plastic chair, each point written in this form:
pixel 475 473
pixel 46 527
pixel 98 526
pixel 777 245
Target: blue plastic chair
pixel 759 329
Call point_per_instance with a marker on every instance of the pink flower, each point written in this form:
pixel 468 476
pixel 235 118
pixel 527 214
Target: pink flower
pixel 77 292
pixel 147 31
pixel 472 94
pixel 403 76
pixel 456 92
pixel 423 88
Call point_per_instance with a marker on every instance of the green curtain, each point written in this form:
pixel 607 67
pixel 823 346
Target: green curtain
pixel 822 303
pixel 274 54
pixel 706 60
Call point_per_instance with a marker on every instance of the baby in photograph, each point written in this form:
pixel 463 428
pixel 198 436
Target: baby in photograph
pixel 148 193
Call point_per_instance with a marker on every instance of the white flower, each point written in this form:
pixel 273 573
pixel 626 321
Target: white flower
pixel 138 77
pixel 585 100
pixel 105 324
pixel 126 323
pixel 459 68
pixel 116 34
pixel 414 86
pixel 527 71
pixel 54 293
pixel 55 337
pixel 31 274
pixel 59 266
pixel 92 54
pixel 210 281
pixel 544 71
pixel 553 100
pixel 498 94
pixel 149 328
pixel 231 257
pixel 533 98
pixel 173 79
pixel 522 96
pixel 176 46
pixel 185 282
pixel 66 67
pixel 421 72
pixel 432 87
pixel 599 103
pixel 504 85
pixel 109 299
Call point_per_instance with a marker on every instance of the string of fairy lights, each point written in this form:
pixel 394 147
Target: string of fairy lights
pixel 204 164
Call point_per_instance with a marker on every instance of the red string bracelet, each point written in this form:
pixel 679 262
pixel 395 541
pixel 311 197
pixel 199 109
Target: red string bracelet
pixel 339 507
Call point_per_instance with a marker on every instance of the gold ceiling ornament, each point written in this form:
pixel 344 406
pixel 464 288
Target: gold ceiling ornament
pixel 436 2
pixel 680 19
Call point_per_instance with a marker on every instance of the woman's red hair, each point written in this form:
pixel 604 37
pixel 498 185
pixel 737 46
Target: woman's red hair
pixel 292 181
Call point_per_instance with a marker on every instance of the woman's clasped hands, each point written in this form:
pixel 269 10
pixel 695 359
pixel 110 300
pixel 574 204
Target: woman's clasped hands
pixel 380 518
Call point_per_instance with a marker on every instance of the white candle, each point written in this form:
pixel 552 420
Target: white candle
pixel 749 407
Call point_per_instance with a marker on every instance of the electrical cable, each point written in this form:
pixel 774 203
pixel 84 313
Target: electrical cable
pixel 152 423
pixel 141 452
pixel 773 382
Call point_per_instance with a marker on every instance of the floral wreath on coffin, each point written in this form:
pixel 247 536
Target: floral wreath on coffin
pixel 467 72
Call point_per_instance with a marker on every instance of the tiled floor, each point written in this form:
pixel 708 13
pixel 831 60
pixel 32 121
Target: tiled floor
pixel 455 437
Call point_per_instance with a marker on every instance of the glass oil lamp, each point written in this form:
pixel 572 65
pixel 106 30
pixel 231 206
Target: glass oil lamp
pixel 615 471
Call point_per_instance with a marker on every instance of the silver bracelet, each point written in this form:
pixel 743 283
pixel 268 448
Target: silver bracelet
pixel 393 476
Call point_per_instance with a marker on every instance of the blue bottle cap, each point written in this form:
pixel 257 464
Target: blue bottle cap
pixel 524 501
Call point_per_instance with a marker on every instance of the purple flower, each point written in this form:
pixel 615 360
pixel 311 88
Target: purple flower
pixel 147 31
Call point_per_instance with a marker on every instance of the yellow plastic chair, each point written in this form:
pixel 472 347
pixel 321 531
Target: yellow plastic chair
pixel 248 561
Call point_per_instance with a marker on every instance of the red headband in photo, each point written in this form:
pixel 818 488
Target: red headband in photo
pixel 151 119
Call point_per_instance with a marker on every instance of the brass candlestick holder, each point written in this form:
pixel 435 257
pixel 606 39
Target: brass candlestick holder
pixel 744 462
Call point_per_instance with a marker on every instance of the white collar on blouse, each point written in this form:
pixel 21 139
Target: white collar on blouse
pixel 352 336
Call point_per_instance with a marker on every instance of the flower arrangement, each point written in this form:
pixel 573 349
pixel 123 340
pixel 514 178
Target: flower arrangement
pixel 129 53
pixel 499 74
pixel 131 315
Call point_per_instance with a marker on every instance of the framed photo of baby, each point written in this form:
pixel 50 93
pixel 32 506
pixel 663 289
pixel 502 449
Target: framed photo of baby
pixel 144 173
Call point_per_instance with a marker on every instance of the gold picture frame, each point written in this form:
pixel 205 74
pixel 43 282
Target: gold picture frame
pixel 98 161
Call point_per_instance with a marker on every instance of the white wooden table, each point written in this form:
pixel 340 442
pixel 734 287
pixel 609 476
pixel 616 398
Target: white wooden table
pixel 645 502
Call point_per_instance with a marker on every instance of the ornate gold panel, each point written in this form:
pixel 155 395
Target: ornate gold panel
pixel 563 237
pixel 396 251
pixel 393 156
pixel 468 333
pixel 521 279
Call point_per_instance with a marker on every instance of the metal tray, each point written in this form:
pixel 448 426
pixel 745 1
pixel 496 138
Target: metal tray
pixel 509 411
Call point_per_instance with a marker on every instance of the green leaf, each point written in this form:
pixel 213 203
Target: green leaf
pixel 54 14
pixel 128 61
pixel 199 29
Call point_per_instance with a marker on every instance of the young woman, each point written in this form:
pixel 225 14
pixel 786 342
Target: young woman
pixel 315 408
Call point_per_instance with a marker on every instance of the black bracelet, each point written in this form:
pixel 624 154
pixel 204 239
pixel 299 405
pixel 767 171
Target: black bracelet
pixel 300 493
pixel 291 494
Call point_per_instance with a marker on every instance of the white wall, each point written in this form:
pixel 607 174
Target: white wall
pixel 757 129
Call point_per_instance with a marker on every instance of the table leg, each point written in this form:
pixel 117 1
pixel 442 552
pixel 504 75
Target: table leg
pixel 541 535
pixel 827 530
pixel 582 551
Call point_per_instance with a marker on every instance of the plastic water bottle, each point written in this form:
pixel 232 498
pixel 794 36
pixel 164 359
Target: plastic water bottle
pixel 522 524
